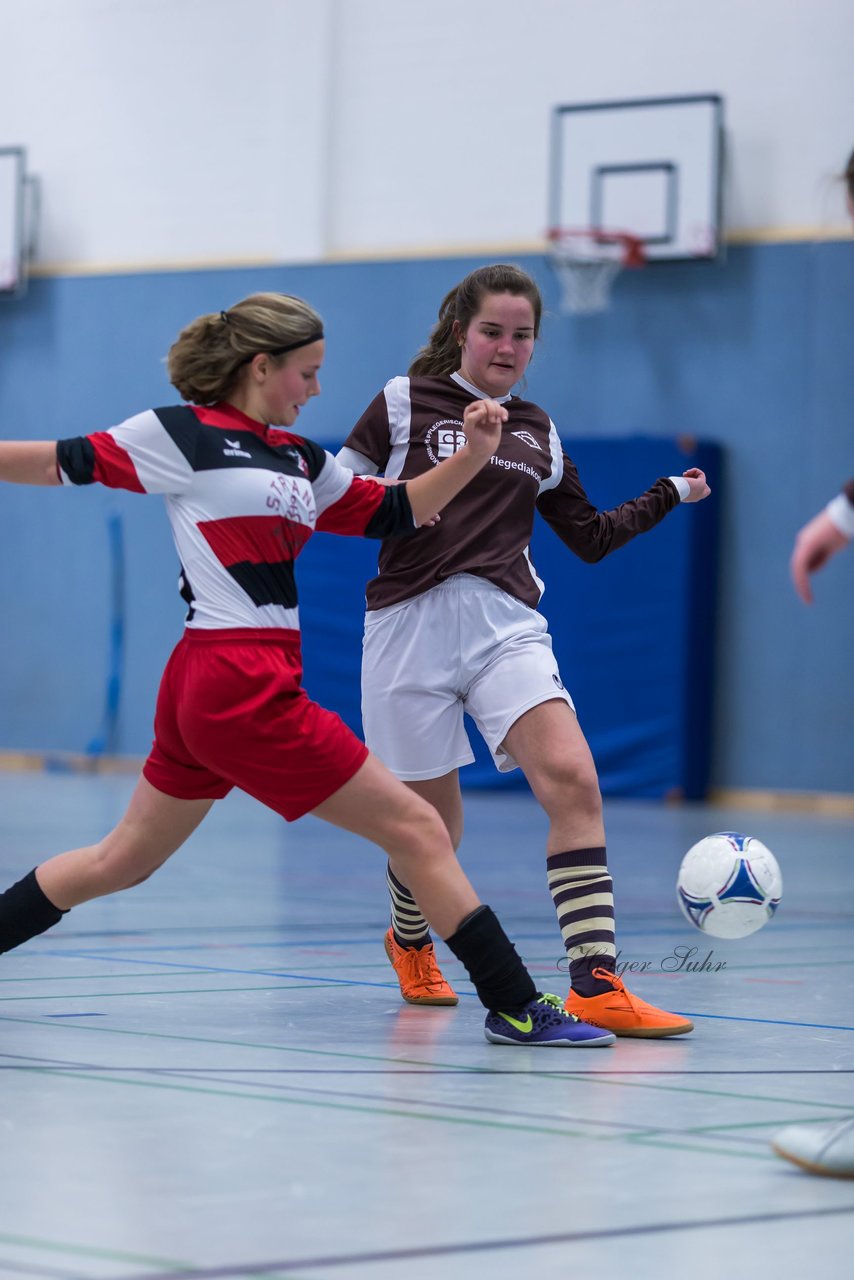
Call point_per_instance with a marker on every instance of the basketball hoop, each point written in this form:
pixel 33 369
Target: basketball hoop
pixel 587 262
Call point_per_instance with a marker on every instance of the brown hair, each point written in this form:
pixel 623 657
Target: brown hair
pixel 205 360
pixel 442 353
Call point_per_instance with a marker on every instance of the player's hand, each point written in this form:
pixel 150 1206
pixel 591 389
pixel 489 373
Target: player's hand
pixel 815 544
pixel 697 480
pixel 482 422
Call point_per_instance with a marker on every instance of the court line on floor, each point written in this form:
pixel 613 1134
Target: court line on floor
pixel 329 1102
pixel 348 982
pixel 91 1252
pixel 181 991
pixel 392 1067
pixel 230 1272
pixel 463 1068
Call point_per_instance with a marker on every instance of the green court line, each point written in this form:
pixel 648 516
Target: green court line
pixel 103 977
pixel 182 991
pixel 649 1140
pixel 463 1069
pixel 396 1112
pixel 365 1109
pixel 89 1251
pixel 755 1124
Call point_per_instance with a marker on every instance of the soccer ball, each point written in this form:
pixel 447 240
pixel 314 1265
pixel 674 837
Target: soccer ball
pixel 729 885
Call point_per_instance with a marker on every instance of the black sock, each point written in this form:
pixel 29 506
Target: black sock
pixel 492 962
pixel 24 912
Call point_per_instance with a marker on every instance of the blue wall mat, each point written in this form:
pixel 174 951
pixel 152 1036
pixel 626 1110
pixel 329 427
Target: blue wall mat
pixel 756 353
pixel 634 634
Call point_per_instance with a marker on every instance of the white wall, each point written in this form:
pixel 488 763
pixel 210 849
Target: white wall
pixel 181 131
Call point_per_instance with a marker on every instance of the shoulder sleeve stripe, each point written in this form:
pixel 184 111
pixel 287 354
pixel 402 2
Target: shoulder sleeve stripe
pixel 331 483
pixel 181 425
pixel 357 462
pixel 160 463
pixel 399 404
pixel 552 480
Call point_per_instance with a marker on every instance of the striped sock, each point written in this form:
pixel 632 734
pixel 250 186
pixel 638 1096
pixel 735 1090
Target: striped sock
pixel 409 927
pixel 583 894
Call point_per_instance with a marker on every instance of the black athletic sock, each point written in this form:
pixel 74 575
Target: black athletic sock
pixel 24 912
pixel 492 962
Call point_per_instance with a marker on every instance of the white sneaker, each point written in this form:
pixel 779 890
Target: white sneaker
pixel 819 1148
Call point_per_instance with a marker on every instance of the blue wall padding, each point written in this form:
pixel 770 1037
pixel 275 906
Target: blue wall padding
pixel 756 353
pixel 634 634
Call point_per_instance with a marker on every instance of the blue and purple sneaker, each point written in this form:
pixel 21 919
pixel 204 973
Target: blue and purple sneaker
pixel 542 1021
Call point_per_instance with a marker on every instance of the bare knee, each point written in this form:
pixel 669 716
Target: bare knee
pixel 418 831
pixel 570 787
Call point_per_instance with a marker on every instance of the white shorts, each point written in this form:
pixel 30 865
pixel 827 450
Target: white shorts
pixel 464 646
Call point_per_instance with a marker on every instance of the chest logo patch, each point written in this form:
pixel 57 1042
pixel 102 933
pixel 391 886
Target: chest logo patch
pixel 526 438
pixel 443 439
pixel 234 450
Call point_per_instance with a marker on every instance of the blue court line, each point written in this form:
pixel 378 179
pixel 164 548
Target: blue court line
pixel 771 1022
pixel 234 1270
pixel 350 982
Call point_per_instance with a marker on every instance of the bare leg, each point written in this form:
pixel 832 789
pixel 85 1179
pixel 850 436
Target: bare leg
pixel 154 826
pixel 445 796
pixel 553 754
pixel 374 804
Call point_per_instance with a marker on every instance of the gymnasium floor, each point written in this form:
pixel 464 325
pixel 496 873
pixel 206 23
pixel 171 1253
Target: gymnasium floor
pixel 213 1074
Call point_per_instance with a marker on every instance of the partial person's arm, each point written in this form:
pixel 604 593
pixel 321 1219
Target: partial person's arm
pixel 821 538
pixel 28 462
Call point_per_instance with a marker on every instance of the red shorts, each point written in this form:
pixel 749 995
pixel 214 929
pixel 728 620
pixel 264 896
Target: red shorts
pixel 231 712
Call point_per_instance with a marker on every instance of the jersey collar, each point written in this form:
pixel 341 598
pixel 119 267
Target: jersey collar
pixel 226 415
pixel 476 391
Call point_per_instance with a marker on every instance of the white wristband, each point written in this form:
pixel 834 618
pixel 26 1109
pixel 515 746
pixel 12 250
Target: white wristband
pixel 682 486
pixel 841 512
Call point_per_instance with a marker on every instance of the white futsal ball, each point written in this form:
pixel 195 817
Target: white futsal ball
pixel 729 885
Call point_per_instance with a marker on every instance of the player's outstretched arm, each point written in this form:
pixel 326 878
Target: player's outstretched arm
pixel 819 539
pixel 28 462
pixel 429 493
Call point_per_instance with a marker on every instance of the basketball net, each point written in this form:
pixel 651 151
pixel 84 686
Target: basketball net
pixel 587 262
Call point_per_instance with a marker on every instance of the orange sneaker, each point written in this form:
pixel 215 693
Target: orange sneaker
pixel 624 1014
pixel 418 973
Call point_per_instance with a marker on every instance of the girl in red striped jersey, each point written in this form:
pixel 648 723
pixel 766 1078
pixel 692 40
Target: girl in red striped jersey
pixel 243 493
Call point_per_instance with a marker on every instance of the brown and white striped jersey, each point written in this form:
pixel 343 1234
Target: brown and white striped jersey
pixel 416 422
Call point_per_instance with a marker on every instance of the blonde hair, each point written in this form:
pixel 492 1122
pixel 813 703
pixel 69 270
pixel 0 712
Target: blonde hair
pixel 205 360
pixel 442 353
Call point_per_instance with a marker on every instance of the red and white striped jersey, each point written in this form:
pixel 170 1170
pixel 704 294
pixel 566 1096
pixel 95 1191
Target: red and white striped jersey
pixel 242 500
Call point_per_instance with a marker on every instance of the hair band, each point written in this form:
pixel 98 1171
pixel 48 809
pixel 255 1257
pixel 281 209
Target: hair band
pixel 280 351
pixel 292 346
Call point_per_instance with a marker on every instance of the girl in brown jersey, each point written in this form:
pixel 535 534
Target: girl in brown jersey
pixel 452 626
pixel 243 496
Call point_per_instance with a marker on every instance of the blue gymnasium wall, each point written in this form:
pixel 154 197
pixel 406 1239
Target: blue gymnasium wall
pixel 757 355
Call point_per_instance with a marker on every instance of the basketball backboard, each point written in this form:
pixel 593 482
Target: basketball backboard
pixel 649 167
